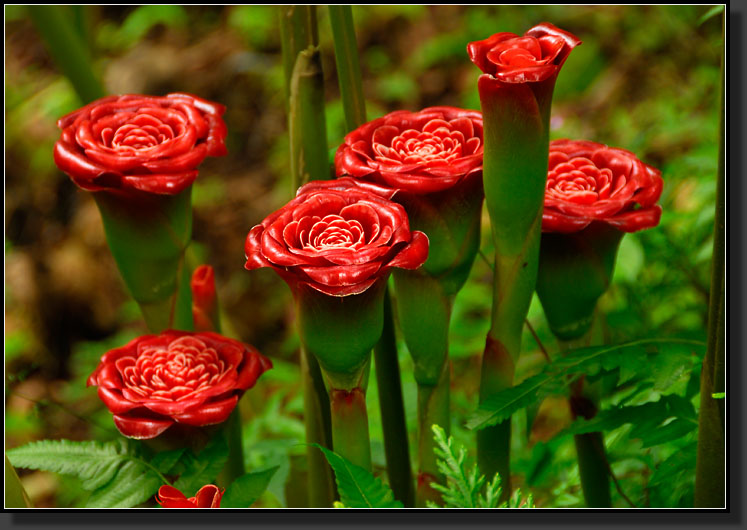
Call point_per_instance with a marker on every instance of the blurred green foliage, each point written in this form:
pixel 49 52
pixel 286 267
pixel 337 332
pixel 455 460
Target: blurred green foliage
pixel 645 79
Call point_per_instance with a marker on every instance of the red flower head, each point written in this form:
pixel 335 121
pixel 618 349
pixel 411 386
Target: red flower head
pixel 195 379
pixel 590 182
pixel 338 237
pixel 535 57
pixel 208 497
pixel 134 142
pixel 418 152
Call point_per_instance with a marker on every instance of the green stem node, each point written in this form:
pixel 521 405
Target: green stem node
pixel 350 425
pixel 433 408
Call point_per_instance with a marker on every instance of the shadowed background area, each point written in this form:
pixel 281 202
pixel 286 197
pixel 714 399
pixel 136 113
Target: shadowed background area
pixel 645 79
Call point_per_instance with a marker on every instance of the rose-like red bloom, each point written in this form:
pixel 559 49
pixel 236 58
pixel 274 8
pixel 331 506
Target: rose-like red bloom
pixel 418 152
pixel 208 496
pixel 134 142
pixel 589 182
pixel 194 379
pixel 337 237
pixel 534 57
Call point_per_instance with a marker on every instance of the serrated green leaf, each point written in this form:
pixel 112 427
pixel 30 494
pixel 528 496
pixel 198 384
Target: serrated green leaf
pixel 502 405
pixel 358 488
pixel 133 484
pixel 116 472
pixel 633 359
pixel 247 488
pixel 654 423
pixel 198 470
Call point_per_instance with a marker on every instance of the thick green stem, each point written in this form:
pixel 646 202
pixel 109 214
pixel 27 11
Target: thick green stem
pixel 396 443
pixel 593 466
pixel 348 67
pixel 494 442
pixel 424 316
pixel 575 270
pixel 391 404
pixel 709 470
pixel 148 235
pixel 516 121
pixel 321 491
pixel 433 409
pixel 68 50
pixel 234 467
pixel 350 425
pixel 304 95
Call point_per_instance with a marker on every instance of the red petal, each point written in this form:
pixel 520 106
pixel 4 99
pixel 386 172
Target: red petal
pixel 141 428
pixel 209 413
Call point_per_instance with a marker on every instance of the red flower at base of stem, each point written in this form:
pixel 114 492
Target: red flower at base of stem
pixel 208 496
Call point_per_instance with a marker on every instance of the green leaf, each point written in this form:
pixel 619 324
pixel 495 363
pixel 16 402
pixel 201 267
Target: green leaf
pixel 465 485
pixel 197 470
pixel 654 423
pixel 116 472
pixel 247 488
pixel 358 488
pixel 632 360
pixel 719 395
pixel 166 460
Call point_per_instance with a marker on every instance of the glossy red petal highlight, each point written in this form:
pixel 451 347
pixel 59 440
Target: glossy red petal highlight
pixel 338 237
pixel 588 181
pixel 140 143
pixel 417 152
pixel 177 376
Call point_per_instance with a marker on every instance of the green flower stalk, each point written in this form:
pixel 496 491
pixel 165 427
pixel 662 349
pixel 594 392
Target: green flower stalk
pixel 433 159
pixel 335 244
pixel 388 381
pixel 138 155
pixel 594 195
pixel 516 89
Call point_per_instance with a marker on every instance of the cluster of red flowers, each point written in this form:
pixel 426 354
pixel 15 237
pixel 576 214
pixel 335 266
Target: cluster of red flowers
pixel 338 237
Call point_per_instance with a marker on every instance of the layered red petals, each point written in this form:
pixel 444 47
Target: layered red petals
pixel 588 182
pixel 338 237
pixel 155 381
pixel 531 58
pixel 145 143
pixel 418 152
pixel 208 496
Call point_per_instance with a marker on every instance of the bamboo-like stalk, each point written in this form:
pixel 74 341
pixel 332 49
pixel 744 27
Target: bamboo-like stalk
pixel 308 138
pixel 305 88
pixel 318 422
pixel 425 313
pixel 68 50
pixel 593 465
pixel 348 67
pixel 350 426
pixel 396 443
pixel 391 404
pixel 709 469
